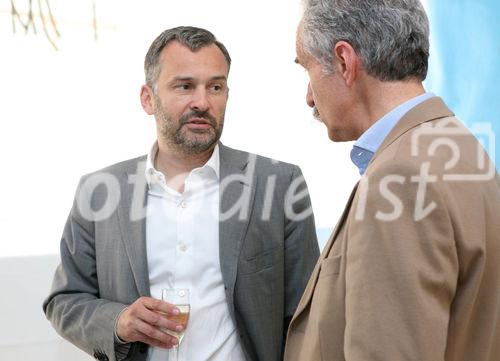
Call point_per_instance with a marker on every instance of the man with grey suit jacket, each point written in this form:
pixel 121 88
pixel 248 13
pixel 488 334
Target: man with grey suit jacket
pixel 234 228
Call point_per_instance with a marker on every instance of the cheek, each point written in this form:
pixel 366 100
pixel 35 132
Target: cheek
pixel 321 101
pixel 220 105
pixel 327 99
pixel 179 110
pixel 317 89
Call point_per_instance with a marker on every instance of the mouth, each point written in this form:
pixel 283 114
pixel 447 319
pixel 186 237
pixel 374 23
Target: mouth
pixel 198 123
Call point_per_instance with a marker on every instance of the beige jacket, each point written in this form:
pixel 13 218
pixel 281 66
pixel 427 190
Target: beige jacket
pixel 412 270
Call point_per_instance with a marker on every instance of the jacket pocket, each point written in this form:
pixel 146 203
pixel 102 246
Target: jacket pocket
pixel 258 263
pixel 330 266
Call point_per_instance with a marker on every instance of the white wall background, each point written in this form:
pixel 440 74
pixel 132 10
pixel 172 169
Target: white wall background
pixel 68 112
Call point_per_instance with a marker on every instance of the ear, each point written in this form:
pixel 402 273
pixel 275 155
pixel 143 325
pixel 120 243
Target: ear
pixel 147 99
pixel 346 61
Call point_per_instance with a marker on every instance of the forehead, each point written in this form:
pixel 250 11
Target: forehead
pixel 302 56
pixel 176 59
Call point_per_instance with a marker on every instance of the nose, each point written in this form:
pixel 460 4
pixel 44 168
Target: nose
pixel 199 102
pixel 309 96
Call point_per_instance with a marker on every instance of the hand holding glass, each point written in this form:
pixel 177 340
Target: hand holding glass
pixel 179 298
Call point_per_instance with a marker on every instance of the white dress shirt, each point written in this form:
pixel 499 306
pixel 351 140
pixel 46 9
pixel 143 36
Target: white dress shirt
pixel 182 240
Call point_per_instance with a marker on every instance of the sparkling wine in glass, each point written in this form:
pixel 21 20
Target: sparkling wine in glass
pixel 180 298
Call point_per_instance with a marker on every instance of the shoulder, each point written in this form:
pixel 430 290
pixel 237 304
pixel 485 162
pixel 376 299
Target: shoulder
pixel 99 192
pixel 129 166
pixel 110 180
pixel 445 144
pixel 264 166
pixel 439 161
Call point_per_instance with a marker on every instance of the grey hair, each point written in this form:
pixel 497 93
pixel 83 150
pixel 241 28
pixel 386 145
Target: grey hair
pixel 189 36
pixel 391 37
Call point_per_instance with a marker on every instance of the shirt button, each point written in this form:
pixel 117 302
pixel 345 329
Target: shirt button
pixel 183 204
pixel 182 247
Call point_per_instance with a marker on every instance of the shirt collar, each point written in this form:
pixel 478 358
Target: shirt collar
pixel 153 175
pixel 371 140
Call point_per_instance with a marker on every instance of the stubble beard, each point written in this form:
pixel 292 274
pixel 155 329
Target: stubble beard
pixel 188 141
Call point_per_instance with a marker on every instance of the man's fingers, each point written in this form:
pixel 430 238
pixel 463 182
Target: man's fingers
pixel 159 306
pixel 143 321
pixel 156 343
pixel 159 320
pixel 151 333
pixel 156 313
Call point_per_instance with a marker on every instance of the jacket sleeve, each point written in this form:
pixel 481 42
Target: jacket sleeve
pixel 74 306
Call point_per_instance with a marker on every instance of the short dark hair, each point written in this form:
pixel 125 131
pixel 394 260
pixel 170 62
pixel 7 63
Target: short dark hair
pixel 189 36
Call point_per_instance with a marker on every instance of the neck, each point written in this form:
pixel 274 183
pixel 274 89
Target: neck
pixel 176 165
pixel 379 98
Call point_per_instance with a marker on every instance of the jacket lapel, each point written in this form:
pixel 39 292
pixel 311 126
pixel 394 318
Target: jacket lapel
pixel 132 220
pixel 340 223
pixel 308 292
pixel 237 193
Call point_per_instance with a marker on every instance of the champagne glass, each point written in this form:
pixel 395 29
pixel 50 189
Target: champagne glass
pixel 180 298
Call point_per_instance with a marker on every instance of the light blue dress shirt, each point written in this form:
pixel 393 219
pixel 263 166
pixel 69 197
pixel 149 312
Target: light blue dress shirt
pixel 369 142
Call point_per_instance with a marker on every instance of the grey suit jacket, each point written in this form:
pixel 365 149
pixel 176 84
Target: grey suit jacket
pixel 266 258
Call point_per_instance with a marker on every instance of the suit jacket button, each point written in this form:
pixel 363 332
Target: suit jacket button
pixel 100 356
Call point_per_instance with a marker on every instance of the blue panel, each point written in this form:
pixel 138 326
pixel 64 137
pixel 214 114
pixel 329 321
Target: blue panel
pixel 465 61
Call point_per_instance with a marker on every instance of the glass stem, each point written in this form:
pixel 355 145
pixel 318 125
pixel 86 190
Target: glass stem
pixel 174 351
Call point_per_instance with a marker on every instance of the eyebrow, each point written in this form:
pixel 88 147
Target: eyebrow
pixel 182 78
pixel 297 61
pixel 188 78
pixel 220 77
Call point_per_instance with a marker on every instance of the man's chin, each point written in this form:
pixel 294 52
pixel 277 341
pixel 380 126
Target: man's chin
pixel 198 136
pixel 338 136
pixel 195 145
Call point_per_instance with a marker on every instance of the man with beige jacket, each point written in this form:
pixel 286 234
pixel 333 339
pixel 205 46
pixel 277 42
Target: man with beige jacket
pixel 411 272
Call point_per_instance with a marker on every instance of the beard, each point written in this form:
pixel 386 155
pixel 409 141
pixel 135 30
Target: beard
pixel 180 137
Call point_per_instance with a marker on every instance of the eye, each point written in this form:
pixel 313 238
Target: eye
pixel 217 88
pixel 183 86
